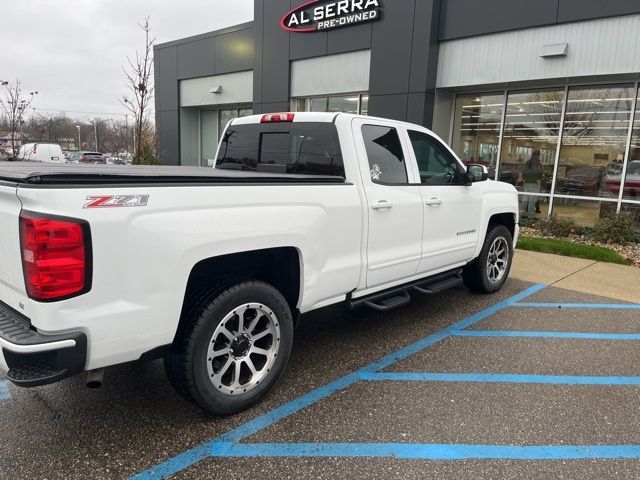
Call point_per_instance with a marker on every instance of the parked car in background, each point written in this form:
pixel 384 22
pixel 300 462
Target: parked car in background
pixel 41 152
pixel 583 180
pixel 122 158
pixel 92 157
pixel 6 152
pixel 73 157
pixel 631 185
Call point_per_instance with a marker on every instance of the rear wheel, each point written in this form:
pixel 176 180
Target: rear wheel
pixel 234 348
pixel 488 272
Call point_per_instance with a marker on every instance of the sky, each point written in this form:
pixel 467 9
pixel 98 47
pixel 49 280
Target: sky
pixel 72 51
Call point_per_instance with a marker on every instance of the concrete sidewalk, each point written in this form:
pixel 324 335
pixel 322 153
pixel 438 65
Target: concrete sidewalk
pixel 587 276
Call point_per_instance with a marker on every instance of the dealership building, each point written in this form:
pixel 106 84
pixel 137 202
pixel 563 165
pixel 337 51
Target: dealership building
pixel 542 92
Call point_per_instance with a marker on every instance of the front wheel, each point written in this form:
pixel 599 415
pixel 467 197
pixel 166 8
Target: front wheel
pixel 234 348
pixel 488 272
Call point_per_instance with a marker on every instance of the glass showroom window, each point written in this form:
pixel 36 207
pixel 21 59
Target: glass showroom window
pixel 476 131
pixel 354 103
pixel 631 189
pixel 633 210
pixel 212 124
pixel 594 142
pixel 209 137
pixel 530 141
pixel 364 104
pixel 229 114
pixel 583 212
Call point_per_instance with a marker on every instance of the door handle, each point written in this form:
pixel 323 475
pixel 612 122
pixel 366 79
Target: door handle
pixel 434 201
pixel 382 205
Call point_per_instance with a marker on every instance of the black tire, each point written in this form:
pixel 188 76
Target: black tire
pixel 195 301
pixel 187 363
pixel 476 275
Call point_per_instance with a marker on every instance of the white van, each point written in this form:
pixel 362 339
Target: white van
pixel 41 152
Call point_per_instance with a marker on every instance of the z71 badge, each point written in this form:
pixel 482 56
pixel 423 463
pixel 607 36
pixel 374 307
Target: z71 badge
pixel 106 201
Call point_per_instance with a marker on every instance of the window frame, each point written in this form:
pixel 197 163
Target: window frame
pixel 293 101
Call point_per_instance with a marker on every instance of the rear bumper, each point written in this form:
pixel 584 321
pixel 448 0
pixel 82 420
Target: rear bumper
pixel 32 358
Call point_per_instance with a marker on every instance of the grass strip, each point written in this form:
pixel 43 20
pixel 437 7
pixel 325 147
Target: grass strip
pixel 571 249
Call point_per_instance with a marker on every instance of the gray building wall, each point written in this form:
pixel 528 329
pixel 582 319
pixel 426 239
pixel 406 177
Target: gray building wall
pixel 403 60
pixel 467 18
pixel 214 53
pixel 404 52
pixel 601 47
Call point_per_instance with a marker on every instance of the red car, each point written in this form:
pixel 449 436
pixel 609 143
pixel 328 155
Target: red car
pixel 632 184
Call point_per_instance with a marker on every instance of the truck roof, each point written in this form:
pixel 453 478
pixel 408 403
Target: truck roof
pixel 37 173
pixel 298 117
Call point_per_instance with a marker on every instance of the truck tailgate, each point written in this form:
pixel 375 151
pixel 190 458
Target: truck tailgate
pixel 12 289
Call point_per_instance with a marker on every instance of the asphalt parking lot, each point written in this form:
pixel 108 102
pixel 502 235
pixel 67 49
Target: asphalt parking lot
pixel 532 382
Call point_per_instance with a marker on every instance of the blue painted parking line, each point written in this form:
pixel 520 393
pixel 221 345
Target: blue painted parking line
pixel 212 448
pixel 466 323
pixel 622 306
pixel 5 394
pixel 533 334
pixel 421 451
pixel 496 378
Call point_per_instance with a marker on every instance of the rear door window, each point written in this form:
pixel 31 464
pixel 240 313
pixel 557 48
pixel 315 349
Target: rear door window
pixel 384 152
pixel 296 148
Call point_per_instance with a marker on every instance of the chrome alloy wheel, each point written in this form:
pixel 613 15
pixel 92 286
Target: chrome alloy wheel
pixel 497 259
pixel 243 348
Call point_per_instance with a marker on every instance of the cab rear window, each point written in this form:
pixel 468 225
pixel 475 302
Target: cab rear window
pixel 294 148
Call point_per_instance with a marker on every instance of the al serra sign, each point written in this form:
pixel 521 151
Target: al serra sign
pixel 318 15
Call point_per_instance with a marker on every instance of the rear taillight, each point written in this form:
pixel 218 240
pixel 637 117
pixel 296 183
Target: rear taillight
pixel 277 117
pixel 56 256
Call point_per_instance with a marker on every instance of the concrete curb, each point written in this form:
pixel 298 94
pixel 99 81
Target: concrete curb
pixel 587 276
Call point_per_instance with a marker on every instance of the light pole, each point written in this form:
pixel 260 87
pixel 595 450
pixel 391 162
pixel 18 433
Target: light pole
pixel 79 141
pixel 95 131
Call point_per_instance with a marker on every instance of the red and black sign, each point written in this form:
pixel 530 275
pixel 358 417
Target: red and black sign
pixel 319 15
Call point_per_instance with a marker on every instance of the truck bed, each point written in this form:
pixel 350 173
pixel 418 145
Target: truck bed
pixel 36 173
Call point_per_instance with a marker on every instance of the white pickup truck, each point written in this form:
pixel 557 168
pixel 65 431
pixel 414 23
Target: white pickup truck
pixel 209 268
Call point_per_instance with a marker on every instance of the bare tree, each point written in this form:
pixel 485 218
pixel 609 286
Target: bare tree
pixel 139 82
pixel 13 104
pixel 54 128
pixel 114 136
pixel 121 136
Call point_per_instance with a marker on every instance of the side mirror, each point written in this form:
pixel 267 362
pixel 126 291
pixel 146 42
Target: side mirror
pixel 477 173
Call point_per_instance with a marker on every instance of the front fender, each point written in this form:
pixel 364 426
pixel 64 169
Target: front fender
pixel 494 202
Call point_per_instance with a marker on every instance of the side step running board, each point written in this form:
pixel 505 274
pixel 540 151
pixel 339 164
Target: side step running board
pixel 399 296
pixel 430 288
pixel 388 303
